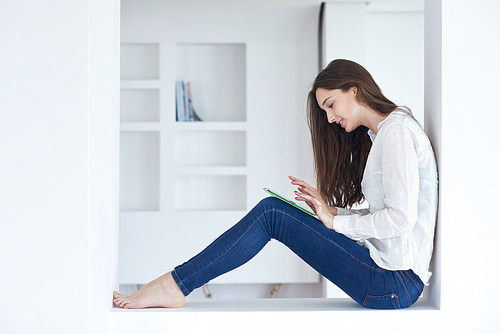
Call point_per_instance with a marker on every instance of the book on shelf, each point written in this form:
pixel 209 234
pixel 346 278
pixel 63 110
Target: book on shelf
pixel 183 104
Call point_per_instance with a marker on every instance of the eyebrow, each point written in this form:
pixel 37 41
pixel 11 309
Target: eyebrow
pixel 325 101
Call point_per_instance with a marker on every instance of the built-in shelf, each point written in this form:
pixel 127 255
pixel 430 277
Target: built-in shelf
pixel 140 84
pixel 217 73
pixel 140 128
pixel 182 184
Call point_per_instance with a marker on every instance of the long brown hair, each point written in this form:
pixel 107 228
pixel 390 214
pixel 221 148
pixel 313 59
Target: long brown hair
pixel 340 156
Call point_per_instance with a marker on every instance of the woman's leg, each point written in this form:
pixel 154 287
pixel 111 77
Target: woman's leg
pixel 333 255
pixel 339 259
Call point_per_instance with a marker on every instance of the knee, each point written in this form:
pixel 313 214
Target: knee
pixel 269 202
pixel 269 206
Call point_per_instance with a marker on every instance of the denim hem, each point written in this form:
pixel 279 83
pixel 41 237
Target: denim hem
pixel 181 285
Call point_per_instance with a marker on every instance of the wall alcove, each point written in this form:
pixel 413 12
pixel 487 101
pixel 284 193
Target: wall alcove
pixel 155 146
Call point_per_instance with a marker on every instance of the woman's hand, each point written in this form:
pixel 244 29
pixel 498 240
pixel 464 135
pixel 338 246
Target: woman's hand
pixel 312 198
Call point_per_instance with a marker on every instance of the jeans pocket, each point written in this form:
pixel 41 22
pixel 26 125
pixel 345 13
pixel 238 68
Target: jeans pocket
pixel 389 301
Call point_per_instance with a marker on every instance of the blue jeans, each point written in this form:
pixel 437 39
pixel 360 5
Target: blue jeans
pixel 336 257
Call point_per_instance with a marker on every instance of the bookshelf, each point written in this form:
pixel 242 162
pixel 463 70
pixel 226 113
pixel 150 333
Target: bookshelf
pixel 207 155
pixel 212 154
pixel 140 127
pixel 183 183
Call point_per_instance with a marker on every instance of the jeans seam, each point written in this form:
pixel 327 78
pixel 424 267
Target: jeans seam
pixel 420 291
pixel 367 265
pixel 183 286
pixel 368 297
pixel 403 282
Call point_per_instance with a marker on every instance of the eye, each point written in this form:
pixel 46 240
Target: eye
pixel 330 105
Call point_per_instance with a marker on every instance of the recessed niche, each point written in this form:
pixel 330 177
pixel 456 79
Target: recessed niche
pixel 210 148
pixel 217 73
pixel 140 105
pixel 139 171
pixel 140 62
pixel 210 192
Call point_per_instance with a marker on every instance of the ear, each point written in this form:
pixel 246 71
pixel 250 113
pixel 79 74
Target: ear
pixel 354 90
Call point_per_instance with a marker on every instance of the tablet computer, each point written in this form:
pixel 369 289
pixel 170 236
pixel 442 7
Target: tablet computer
pixel 273 193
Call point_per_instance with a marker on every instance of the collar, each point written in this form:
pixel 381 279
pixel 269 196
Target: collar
pixel 379 126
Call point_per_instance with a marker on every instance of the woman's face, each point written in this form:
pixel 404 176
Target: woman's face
pixel 341 107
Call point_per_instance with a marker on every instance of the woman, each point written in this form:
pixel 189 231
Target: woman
pixel 365 148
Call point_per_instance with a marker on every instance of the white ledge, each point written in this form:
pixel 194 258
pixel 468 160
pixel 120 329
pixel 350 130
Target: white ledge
pixel 304 315
pixel 273 305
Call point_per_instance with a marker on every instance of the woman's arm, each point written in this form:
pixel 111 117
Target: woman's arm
pixel 400 184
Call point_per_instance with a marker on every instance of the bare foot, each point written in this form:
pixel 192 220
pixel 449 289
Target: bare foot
pixel 162 292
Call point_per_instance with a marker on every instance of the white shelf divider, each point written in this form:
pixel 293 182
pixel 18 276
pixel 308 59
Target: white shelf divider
pixel 139 84
pixel 211 126
pixel 211 170
pixel 139 126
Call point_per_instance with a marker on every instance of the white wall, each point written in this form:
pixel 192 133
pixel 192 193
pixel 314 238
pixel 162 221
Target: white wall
pixel 469 156
pixel 387 38
pixel 59 100
pixel 44 101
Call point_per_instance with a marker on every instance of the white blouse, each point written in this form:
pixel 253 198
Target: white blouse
pixel 400 185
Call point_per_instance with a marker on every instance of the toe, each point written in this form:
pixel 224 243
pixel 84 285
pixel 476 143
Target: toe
pixel 118 295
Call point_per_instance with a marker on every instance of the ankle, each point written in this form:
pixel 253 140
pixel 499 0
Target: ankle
pixel 171 287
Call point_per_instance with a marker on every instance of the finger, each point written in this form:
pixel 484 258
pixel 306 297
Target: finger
pixel 306 198
pixel 301 195
pixel 302 186
pixel 297 181
pixel 302 190
pixel 309 203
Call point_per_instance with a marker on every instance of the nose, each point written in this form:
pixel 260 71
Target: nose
pixel 331 117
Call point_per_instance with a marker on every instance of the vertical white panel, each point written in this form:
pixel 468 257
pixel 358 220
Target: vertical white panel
pixel 103 167
pixel 433 126
pixel 395 56
pixel 44 159
pixel 469 162
pixel 344 31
